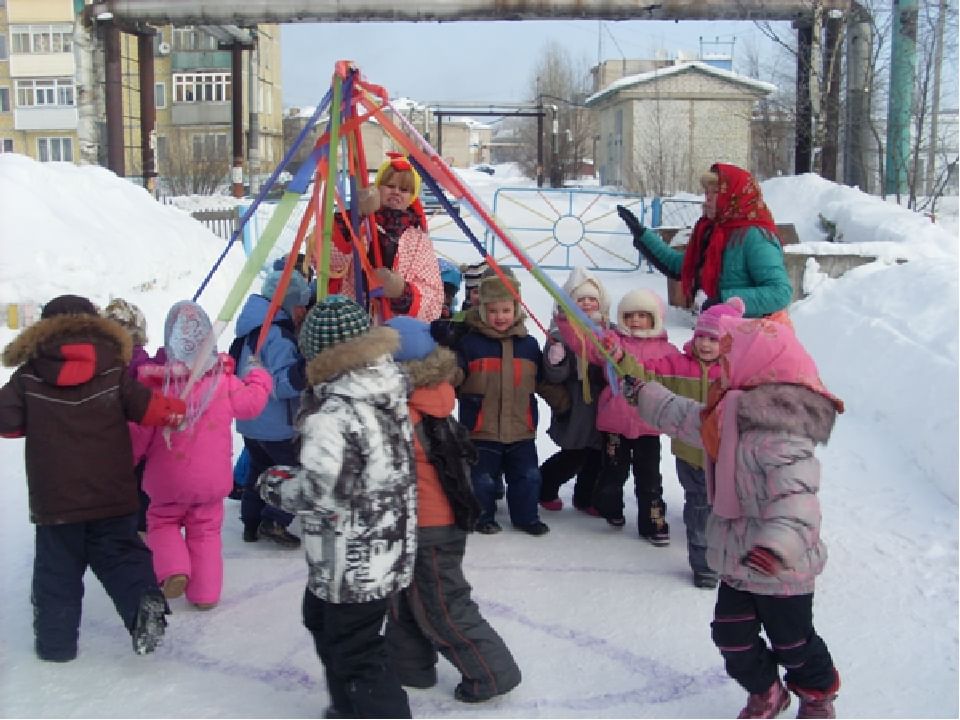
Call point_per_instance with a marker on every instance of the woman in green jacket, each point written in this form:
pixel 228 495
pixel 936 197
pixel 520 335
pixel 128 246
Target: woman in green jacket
pixel 733 251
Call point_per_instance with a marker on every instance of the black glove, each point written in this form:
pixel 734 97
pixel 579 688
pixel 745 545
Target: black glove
pixel 632 223
pixel 709 303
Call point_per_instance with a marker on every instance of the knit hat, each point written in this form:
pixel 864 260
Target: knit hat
pixel 130 317
pixel 68 305
pixel 449 273
pixel 298 291
pixel 415 339
pixel 473 273
pixel 185 331
pixel 397 162
pixel 708 324
pixel 333 320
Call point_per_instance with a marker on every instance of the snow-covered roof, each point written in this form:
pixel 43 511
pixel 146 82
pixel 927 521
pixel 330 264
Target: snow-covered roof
pixel 696 66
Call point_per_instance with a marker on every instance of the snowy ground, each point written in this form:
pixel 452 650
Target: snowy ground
pixel 602 624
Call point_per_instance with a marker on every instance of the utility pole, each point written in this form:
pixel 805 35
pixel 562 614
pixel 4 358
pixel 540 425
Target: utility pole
pixel 902 71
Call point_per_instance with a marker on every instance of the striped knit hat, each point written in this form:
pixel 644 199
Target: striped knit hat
pixel 334 320
pixel 473 273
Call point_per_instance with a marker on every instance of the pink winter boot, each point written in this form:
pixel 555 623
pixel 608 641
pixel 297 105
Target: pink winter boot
pixel 768 704
pixel 817 703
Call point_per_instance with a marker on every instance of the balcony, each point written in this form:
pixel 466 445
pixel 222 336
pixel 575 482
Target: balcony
pixel 205 113
pixel 187 60
pixel 45 118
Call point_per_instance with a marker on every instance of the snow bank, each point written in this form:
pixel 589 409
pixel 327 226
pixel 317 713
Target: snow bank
pixel 80 229
pixel 859 218
pixel 885 339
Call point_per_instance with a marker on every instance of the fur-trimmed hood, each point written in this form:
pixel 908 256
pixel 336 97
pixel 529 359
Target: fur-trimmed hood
pixel 352 354
pixel 791 408
pixel 439 366
pixel 41 343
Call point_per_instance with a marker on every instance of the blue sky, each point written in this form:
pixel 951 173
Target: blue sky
pixel 480 61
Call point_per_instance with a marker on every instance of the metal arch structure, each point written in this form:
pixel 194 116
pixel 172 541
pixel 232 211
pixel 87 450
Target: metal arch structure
pixel 807 17
pixel 248 12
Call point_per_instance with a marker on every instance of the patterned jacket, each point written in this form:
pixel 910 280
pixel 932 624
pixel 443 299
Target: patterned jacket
pixel 777 479
pixel 355 490
pixel 501 374
pixel 72 397
pixel 416 261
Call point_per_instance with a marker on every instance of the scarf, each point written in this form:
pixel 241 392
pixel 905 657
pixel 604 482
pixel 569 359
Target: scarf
pixel 739 205
pixel 390 225
pixel 752 353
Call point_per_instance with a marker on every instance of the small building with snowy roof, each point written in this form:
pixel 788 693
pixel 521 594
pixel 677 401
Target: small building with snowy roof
pixel 658 131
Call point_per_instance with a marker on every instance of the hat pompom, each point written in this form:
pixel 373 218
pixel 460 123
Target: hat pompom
pixel 708 324
pixel 334 320
pixel 416 343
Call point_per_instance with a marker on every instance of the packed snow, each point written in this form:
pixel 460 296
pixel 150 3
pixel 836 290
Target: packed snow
pixel 601 623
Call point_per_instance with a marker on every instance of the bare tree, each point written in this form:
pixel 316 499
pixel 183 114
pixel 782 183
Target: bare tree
pixel 194 163
pixel 774 117
pixel 560 85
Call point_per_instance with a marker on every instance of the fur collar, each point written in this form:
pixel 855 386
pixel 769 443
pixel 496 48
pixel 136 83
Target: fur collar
pixel 439 365
pixel 64 328
pixel 352 354
pixel 790 408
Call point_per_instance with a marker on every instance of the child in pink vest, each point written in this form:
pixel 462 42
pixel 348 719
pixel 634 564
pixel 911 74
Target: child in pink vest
pixel 628 442
pixel 189 473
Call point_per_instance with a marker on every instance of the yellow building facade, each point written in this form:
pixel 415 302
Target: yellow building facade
pixel 44 79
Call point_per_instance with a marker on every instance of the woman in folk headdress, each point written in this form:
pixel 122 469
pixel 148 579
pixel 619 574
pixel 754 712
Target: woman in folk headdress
pixel 734 249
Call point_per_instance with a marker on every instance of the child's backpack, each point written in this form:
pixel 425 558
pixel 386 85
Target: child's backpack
pixel 449 449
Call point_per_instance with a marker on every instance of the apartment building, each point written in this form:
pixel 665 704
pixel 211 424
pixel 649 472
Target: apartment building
pixel 44 50
pixel 38 108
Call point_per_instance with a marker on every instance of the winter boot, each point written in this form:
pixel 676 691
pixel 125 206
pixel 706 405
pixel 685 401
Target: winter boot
pixel 817 703
pixel 705 579
pixel 767 704
pixel 555 505
pixel 148 628
pixel 653 526
pixel 174 586
pixel 279 534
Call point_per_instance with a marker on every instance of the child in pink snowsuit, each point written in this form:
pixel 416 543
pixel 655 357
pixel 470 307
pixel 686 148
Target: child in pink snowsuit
pixel 759 428
pixel 189 474
pixel 628 443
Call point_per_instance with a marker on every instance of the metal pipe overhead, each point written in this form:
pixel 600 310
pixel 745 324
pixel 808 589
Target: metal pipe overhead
pixel 248 12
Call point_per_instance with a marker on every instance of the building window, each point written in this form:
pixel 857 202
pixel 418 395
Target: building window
pixel 4 99
pixel 189 38
pixel 3 47
pixel 27 39
pixel 162 149
pixel 55 149
pixel 160 95
pixel 57 92
pixel 202 87
pixel 210 146
pixel 6 145
pixel 157 39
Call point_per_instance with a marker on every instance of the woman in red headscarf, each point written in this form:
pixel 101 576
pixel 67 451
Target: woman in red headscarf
pixel 733 251
pixel 401 263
